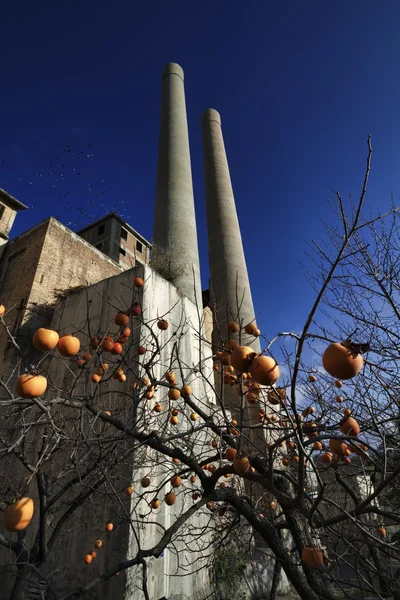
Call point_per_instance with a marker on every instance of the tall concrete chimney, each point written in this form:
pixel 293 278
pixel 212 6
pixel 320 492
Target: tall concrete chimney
pixel 175 234
pixel 230 285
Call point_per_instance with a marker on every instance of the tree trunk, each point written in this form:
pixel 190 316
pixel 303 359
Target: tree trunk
pixel 275 580
pixel 312 588
pixel 383 570
pixel 302 536
pixel 23 580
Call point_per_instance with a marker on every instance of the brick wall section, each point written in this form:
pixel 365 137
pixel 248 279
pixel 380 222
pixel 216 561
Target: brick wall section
pixel 35 267
pixel 68 261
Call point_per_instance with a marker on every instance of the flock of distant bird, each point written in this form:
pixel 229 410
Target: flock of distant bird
pixel 58 171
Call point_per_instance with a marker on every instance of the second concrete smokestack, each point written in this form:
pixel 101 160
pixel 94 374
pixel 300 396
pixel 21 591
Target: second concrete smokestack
pixel 175 234
pixel 228 272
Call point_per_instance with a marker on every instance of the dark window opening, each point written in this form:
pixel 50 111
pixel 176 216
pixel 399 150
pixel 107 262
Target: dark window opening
pixel 139 247
pixel 42 278
pixel 2 207
pixel 124 234
pixel 100 229
pixel 99 246
pixel 122 251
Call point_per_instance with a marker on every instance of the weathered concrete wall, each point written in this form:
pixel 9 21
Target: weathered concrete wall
pixel 164 578
pixel 35 267
pixel 65 566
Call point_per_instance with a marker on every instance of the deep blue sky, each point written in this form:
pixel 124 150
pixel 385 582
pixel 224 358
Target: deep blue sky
pixel 299 86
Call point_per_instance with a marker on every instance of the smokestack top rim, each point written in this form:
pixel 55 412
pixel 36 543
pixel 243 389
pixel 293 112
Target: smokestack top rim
pixel 173 69
pixel 210 115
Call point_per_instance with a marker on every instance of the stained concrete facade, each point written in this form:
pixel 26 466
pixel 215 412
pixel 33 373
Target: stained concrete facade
pixel 118 240
pixel 166 578
pixel 175 232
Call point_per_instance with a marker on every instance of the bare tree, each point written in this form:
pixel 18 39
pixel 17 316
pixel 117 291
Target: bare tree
pixel 276 473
